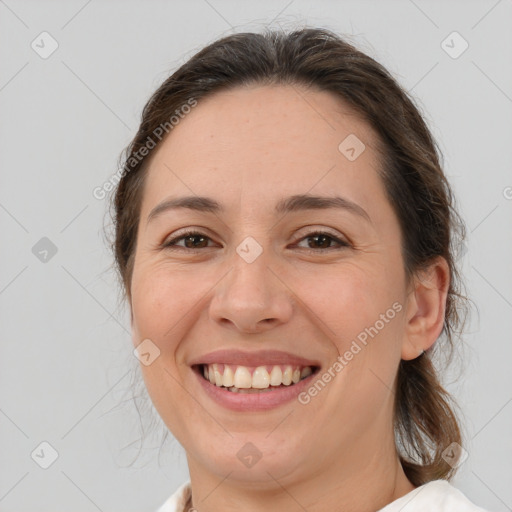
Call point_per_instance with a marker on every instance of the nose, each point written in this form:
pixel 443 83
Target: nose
pixel 252 297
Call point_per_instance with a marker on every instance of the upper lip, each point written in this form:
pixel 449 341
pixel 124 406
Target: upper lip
pixel 259 358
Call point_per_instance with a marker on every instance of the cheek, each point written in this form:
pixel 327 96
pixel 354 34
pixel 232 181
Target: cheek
pixel 350 300
pixel 160 301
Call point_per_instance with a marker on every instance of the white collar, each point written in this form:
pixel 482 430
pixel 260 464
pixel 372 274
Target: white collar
pixel 438 495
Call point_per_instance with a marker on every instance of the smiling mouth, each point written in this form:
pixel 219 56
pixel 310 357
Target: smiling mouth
pixel 259 379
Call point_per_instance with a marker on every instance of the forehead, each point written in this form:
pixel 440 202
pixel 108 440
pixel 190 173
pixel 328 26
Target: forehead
pixel 257 142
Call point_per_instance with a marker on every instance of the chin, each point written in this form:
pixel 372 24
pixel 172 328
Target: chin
pixel 256 459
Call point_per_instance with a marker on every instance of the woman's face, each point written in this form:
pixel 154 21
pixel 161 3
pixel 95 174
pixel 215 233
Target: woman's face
pixel 275 286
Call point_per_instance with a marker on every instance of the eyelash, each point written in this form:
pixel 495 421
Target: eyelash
pixel 170 244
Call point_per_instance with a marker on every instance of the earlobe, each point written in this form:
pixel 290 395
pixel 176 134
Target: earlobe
pixel 426 309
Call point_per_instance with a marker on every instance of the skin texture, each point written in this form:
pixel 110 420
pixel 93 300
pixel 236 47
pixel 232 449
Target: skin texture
pixel 248 148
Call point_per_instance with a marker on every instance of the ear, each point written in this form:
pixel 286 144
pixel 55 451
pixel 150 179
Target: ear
pixel 132 322
pixel 426 307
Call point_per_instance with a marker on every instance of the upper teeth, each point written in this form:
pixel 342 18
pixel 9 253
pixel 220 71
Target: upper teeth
pixel 262 377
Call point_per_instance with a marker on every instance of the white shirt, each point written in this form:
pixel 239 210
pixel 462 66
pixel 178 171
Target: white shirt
pixel 435 496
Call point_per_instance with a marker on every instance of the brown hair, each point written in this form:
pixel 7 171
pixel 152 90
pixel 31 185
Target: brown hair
pixel 425 424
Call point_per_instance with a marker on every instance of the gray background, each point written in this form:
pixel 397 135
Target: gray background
pixel 66 365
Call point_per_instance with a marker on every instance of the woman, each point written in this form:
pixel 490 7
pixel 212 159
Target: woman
pixel 285 236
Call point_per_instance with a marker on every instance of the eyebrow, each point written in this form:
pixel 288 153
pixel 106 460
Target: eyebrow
pixel 294 203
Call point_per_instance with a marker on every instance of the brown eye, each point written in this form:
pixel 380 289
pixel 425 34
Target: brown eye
pixel 322 241
pixel 192 240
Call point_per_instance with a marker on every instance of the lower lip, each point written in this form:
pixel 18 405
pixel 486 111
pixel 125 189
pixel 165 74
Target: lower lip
pixel 245 402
